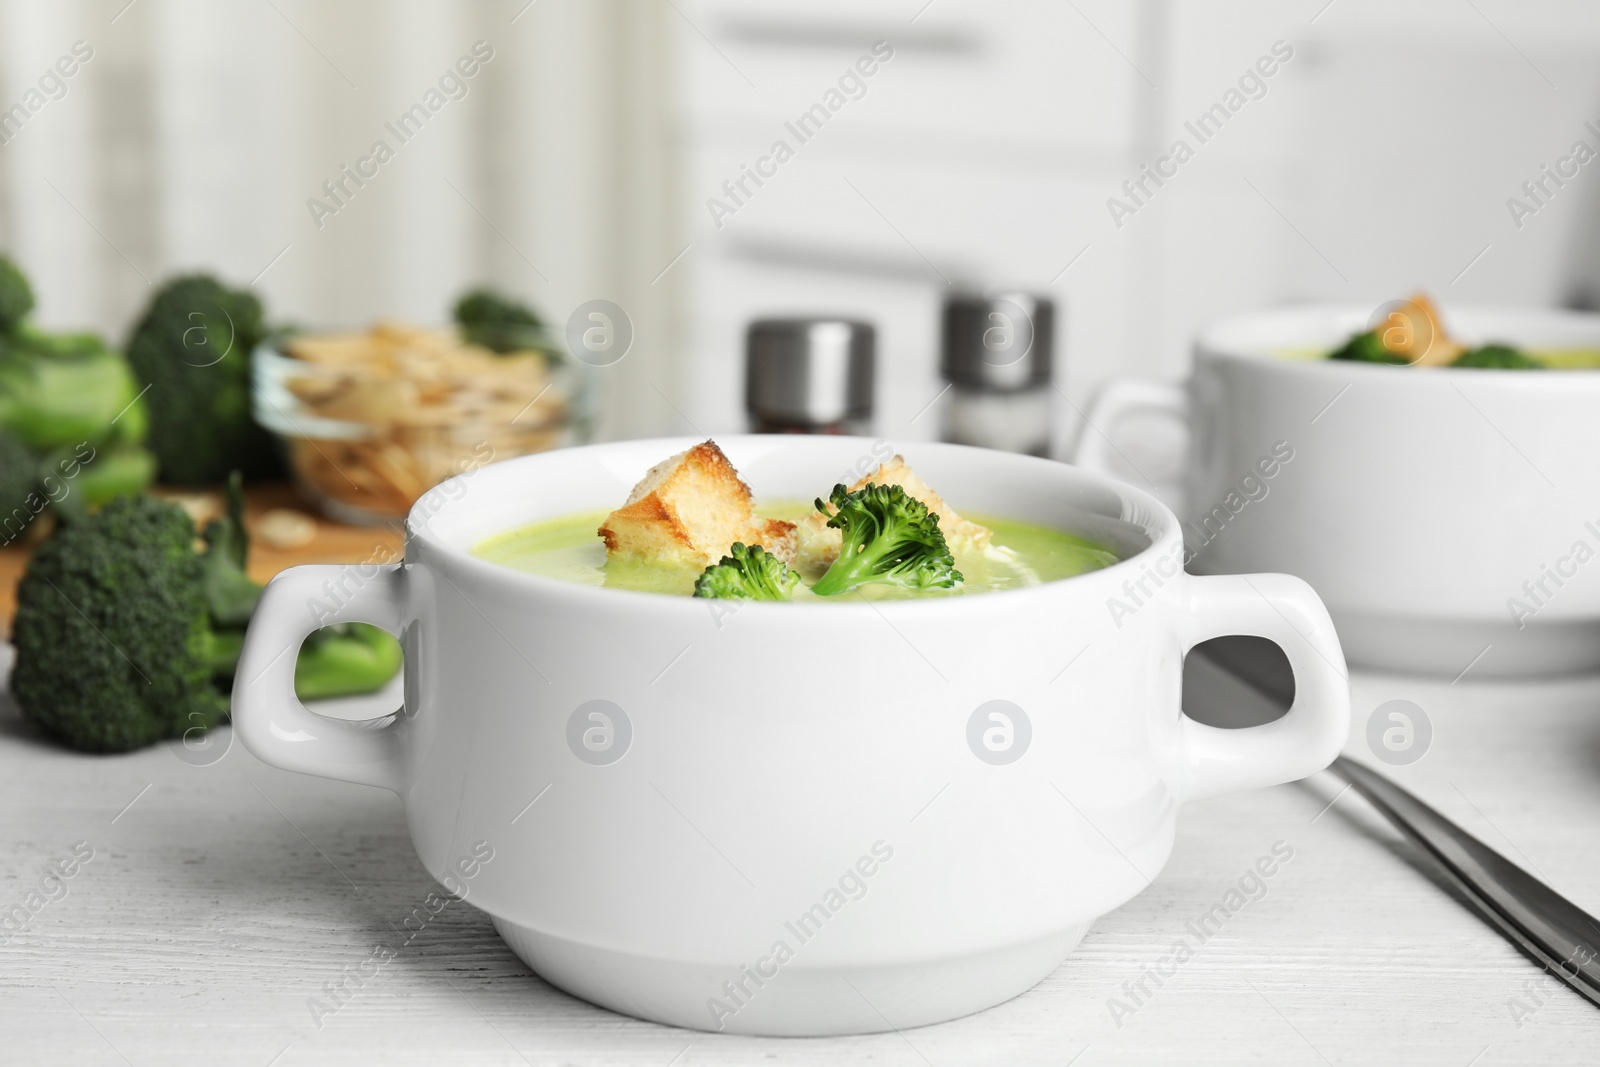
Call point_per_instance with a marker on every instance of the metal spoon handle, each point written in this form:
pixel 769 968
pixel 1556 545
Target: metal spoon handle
pixel 1547 927
pixel 1544 925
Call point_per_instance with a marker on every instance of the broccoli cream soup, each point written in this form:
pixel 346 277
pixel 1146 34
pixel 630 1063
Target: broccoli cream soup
pixel 1554 358
pixel 568 548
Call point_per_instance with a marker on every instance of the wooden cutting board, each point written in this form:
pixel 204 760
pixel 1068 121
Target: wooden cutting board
pixel 333 542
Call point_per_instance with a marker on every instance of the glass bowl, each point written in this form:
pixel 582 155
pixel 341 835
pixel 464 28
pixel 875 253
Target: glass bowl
pixel 370 421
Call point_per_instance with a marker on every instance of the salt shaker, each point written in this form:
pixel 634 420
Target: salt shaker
pixel 996 353
pixel 809 375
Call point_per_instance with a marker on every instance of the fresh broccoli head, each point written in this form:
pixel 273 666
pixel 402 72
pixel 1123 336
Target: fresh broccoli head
pixel 499 323
pixel 16 296
pixel 125 634
pixel 747 574
pixel 114 642
pixel 1497 357
pixel 888 536
pixel 1366 348
pixel 192 349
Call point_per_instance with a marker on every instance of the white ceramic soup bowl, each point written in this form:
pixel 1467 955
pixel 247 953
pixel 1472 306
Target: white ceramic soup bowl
pixel 792 818
pixel 1449 518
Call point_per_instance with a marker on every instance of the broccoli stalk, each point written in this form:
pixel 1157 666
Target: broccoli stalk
pixel 71 481
pixel 76 488
pixel 888 537
pixel 344 660
pixel 231 593
pixel 64 389
pixel 501 324
pixel 341 660
pixel 126 635
pixel 192 349
pixel 747 574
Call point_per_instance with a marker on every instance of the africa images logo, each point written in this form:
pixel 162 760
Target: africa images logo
pixel 599 732
pixel 209 337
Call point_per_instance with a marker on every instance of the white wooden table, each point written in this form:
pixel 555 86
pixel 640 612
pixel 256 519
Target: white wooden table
pixel 221 898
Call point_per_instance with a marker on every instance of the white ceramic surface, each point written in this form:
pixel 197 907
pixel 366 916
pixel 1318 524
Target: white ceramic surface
pixel 1449 518
pixel 794 774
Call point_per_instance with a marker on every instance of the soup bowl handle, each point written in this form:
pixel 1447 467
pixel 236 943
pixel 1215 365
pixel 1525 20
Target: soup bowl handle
pixel 1119 400
pixel 267 715
pixel 1285 610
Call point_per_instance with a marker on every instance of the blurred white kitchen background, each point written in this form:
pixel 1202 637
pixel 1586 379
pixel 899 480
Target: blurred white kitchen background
pixel 577 163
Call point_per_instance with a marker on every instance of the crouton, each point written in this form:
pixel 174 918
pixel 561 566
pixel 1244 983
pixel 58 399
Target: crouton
pixel 1415 332
pixel 690 509
pixel 818 543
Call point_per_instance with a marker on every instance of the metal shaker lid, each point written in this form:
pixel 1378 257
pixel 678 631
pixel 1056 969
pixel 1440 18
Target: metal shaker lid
pixel 999 342
pixel 811 371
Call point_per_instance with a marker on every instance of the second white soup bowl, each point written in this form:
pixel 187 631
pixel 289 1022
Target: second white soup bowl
pixel 1449 517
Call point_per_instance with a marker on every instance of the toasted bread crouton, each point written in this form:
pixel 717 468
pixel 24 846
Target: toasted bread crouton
pixel 1415 332
pixel 690 509
pixel 818 543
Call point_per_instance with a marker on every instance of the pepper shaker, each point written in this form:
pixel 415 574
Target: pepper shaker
pixel 809 375
pixel 996 353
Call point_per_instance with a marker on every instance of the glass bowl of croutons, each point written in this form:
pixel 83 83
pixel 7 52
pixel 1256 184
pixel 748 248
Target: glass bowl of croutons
pixel 371 420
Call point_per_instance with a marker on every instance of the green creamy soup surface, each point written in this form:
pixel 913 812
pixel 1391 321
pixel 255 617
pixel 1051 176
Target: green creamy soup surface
pixel 569 548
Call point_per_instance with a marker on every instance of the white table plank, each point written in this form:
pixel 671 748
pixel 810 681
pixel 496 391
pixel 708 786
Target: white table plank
pixel 226 895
